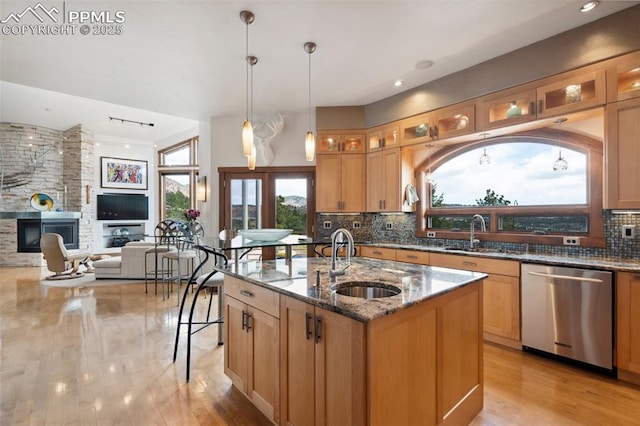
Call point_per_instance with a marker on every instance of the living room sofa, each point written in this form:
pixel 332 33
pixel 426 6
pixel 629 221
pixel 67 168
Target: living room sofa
pixel 129 265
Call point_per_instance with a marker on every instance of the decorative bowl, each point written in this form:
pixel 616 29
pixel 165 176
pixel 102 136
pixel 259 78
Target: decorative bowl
pixel 265 234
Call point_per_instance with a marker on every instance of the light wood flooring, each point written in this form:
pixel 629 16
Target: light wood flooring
pixel 103 355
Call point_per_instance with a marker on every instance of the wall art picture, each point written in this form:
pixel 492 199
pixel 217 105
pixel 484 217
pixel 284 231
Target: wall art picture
pixel 123 174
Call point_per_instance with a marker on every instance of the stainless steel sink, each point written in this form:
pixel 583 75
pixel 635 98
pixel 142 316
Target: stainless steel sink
pixel 365 289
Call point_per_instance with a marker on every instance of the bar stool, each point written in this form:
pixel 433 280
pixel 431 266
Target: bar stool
pixel 180 264
pixel 211 280
pixel 164 237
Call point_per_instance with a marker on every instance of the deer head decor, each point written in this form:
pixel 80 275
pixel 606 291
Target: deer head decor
pixel 263 133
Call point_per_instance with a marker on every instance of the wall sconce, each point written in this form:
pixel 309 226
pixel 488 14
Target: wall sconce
pixel 201 189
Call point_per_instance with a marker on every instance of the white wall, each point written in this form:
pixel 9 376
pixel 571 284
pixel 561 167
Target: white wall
pixel 108 146
pixel 225 150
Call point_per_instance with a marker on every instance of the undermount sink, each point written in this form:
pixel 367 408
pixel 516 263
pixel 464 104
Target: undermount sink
pixel 365 289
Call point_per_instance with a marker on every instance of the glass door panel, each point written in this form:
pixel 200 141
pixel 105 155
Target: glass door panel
pixel 175 188
pixel 291 210
pixel 246 204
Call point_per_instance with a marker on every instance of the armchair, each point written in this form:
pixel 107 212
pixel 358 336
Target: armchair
pixel 64 265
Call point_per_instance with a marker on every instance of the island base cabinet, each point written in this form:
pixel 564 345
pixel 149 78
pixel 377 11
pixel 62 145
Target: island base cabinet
pixel 323 366
pixel 424 363
pixel 252 357
pixel 627 329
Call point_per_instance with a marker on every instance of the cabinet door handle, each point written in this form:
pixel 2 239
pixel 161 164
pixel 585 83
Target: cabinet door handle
pixel 246 293
pixel 532 108
pixel 244 320
pixel 384 142
pixel 317 329
pixel 384 204
pixel 379 253
pixel 412 256
pixel 466 262
pixel 540 106
pixel 249 317
pixel 307 320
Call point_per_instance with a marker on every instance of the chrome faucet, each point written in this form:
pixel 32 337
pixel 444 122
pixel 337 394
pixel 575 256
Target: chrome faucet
pixel 483 227
pixel 337 238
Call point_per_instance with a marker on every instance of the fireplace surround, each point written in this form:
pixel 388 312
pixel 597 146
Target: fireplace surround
pixel 30 230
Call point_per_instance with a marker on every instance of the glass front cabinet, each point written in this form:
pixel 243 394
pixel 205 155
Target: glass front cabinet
pixel 623 78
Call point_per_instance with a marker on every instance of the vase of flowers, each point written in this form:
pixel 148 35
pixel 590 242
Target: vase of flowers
pixel 191 215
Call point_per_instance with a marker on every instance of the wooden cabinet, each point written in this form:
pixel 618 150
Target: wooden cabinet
pixel 323 366
pixel 378 253
pixel 571 92
pixel 252 344
pixel 389 171
pixel 456 120
pixel 622 151
pixel 506 108
pixel 333 142
pixel 417 129
pixel 340 183
pixel 623 78
pixel 501 294
pixel 383 137
pixel 627 326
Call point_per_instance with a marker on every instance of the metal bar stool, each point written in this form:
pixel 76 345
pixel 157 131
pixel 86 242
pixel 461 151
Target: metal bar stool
pixel 164 237
pixel 204 281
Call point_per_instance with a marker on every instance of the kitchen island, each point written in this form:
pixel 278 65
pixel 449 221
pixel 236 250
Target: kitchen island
pixel 304 354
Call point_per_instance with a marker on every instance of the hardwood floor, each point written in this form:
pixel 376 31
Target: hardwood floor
pixel 103 355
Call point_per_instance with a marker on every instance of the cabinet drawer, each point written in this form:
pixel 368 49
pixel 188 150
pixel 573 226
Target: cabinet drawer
pixel 476 264
pixel 411 256
pixel 379 253
pixel 258 297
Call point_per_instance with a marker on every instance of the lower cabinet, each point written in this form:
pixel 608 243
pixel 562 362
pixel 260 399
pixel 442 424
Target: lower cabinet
pixel 323 366
pixel 378 253
pixel 627 330
pixel 501 294
pixel 252 344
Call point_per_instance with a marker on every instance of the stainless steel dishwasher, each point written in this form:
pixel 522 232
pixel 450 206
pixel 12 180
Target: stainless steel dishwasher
pixel 568 312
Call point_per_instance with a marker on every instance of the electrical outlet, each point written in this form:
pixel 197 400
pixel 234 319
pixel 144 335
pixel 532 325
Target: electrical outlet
pixel 431 234
pixel 388 225
pixel 628 231
pixel 571 241
pixel 326 224
pixel 356 225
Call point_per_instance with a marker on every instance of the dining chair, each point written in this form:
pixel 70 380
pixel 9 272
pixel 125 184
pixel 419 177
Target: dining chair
pixel 165 235
pixel 212 280
pixel 180 264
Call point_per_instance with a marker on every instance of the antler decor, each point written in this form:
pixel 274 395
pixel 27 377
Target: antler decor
pixel 263 133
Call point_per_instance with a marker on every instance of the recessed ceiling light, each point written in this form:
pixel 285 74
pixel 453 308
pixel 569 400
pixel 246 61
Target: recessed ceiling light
pixel 423 65
pixel 398 83
pixel 588 6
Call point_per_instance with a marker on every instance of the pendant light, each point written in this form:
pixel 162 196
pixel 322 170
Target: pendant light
pixel 310 141
pixel 247 128
pixel 251 158
pixel 560 164
pixel 484 158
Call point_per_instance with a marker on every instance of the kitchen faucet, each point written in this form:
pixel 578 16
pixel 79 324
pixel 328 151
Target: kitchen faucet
pixel 483 227
pixel 336 243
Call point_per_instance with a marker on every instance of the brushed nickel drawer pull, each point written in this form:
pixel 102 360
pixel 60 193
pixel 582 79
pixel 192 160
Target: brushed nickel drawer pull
pixel 466 262
pixel 246 293
pixel 379 253
pixel 412 256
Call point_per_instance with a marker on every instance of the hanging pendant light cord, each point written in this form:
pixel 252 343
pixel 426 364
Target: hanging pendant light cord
pixel 247 69
pixel 309 94
pixel 251 107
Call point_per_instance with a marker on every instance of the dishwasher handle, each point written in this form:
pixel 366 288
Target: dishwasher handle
pixel 566 277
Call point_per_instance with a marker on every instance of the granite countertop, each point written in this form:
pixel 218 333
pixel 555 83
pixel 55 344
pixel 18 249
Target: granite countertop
pixel 612 264
pixel 297 279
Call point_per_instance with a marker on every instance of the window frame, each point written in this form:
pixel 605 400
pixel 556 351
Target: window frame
pixel 591 147
pixel 192 169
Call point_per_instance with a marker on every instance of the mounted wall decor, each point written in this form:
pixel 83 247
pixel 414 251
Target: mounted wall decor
pixel 119 173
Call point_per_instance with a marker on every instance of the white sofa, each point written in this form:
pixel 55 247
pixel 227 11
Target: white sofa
pixel 129 265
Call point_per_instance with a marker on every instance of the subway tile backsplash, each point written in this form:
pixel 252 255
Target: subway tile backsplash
pixel 375 228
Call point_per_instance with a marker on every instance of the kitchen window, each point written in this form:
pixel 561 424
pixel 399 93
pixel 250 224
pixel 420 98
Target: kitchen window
pixel 510 180
pixel 178 173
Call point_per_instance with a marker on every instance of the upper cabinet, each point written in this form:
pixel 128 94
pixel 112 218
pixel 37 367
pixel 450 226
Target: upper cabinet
pixel 506 108
pixel 457 120
pixel 338 142
pixel 623 78
pixel 383 137
pixel 622 150
pixel 574 91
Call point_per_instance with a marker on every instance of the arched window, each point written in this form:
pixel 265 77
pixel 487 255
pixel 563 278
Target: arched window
pixel 516 189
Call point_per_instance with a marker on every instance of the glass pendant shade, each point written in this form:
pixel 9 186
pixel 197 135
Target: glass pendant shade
pixel 247 138
pixel 429 177
pixel 310 146
pixel 251 158
pixel 560 164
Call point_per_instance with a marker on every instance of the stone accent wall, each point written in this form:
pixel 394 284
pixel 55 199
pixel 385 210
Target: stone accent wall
pixel 49 160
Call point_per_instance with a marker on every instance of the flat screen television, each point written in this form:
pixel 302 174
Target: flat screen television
pixel 123 207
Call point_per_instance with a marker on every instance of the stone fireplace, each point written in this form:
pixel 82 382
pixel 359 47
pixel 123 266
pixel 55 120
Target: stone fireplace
pixel 57 163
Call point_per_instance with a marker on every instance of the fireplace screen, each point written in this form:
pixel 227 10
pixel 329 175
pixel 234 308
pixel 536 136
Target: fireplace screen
pixel 30 230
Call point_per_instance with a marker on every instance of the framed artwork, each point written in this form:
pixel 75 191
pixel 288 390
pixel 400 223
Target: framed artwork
pixel 119 173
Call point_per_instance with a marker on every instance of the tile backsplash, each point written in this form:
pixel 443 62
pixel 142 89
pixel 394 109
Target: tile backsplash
pixel 399 229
